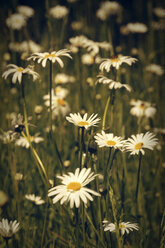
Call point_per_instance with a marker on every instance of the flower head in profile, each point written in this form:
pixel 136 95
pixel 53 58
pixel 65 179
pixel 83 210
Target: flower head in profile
pixel 112 84
pixel 36 199
pixel 18 72
pixel 159 12
pixel 8 229
pixel 155 69
pixel 24 143
pixel 116 62
pixel 58 12
pixel 16 21
pixel 79 121
pixel 137 143
pixel 62 78
pixel 107 9
pixel 73 188
pixel 53 57
pixel 109 140
pixel 124 227
pixel 25 11
pixel 136 27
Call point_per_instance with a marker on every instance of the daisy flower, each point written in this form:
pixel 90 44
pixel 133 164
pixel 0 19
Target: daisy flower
pixel 112 84
pixel 159 12
pixel 108 140
pixel 73 188
pixel 53 57
pixel 124 227
pixel 18 72
pixel 58 12
pixel 116 62
pixel 8 229
pixel 142 108
pixel 24 143
pixel 79 121
pixel 155 69
pixel 136 27
pixel 16 21
pixel 36 199
pixel 108 8
pixel 62 78
pixel 25 10
pixel 137 143
pixel 87 59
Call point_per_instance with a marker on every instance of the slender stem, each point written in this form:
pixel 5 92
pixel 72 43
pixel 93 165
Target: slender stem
pixel 77 227
pixel 83 226
pixel 105 113
pixel 110 150
pixel 44 227
pixel 138 177
pixel 113 158
pixel 81 144
pixel 97 233
pixel 50 95
pixel 7 243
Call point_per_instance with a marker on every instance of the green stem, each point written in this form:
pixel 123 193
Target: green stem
pixel 94 229
pixel 7 243
pixel 138 177
pixel 44 227
pixel 50 95
pixel 105 113
pixel 83 226
pixel 81 144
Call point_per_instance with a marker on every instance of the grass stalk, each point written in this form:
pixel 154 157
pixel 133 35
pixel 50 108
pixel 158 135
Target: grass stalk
pixel 138 176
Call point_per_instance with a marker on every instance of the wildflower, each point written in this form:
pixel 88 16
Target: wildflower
pixel 8 136
pixel 108 8
pixel 18 72
pixel 136 27
pixel 16 21
pixel 137 143
pixel 58 12
pixel 79 121
pixel 108 140
pixel 38 109
pixel 53 57
pixel 155 69
pixel 36 199
pixel 124 227
pixel 8 229
pixel 25 11
pixel 159 12
pixel 78 41
pixel 73 188
pixel 116 62
pixel 87 59
pixel 62 78
pixel 93 46
pixel 59 105
pixel 18 176
pixel 77 25
pixel 142 108
pixel 112 84
pixel 24 143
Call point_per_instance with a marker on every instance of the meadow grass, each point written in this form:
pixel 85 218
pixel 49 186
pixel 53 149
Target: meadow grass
pixel 125 195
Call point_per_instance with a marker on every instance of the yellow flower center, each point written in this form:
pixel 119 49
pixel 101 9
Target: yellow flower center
pixel 138 146
pixel 142 105
pixel 49 55
pixel 121 226
pixel 75 186
pixel 111 143
pixel 20 69
pixel 58 90
pixel 31 138
pixel 61 102
pixel 83 123
pixel 115 59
